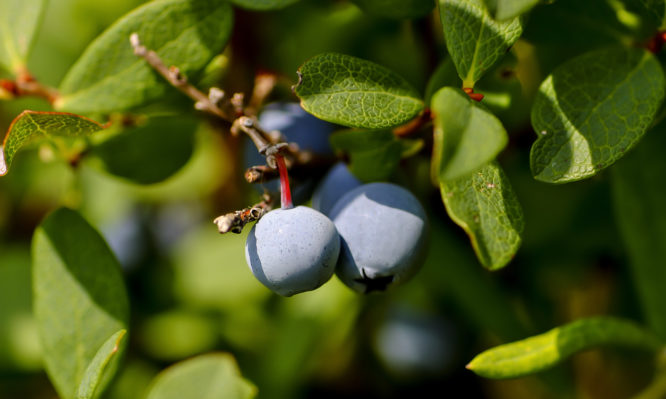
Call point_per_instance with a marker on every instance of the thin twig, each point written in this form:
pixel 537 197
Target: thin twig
pixel 260 173
pixel 172 75
pixel 232 111
pixel 236 220
pixel 264 83
pixel 26 85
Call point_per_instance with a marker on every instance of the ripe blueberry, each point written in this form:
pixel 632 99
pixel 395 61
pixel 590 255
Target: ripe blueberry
pixel 293 250
pixel 297 126
pixel 337 182
pixel 384 236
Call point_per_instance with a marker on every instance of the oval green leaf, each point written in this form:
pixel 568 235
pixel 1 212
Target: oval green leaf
pixel 79 298
pixel 639 197
pixel 33 125
pixel 474 39
pixel 263 5
pixel 593 109
pixel 149 153
pixel 214 375
pixel 95 371
pixel 397 9
pixel 109 77
pixel 486 207
pixel 543 351
pixel 467 136
pixel 374 154
pixel 353 92
pixel 19 21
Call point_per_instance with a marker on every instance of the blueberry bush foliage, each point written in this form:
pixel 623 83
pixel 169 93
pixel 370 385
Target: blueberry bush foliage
pixel 531 131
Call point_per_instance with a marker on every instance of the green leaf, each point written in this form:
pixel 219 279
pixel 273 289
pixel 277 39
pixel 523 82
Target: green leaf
pixel 593 109
pixel 79 298
pixel 214 375
pixel 639 198
pixel 505 9
pixel 357 93
pixel 467 136
pixel 97 367
pixel 397 9
pixel 32 125
pixel 149 153
pixel 19 21
pixel 486 207
pixel 474 39
pixel 543 351
pixel 263 5
pixel 109 77
pixel 374 154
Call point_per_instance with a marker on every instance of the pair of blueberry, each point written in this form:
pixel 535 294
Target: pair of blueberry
pixel 373 236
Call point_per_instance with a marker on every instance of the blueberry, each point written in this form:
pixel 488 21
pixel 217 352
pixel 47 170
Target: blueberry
pixel 384 235
pixel 297 126
pixel 337 182
pixel 415 344
pixel 293 250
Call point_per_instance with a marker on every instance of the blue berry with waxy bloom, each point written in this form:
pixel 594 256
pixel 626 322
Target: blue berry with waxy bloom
pixel 384 234
pixel 297 126
pixel 293 250
pixel 337 182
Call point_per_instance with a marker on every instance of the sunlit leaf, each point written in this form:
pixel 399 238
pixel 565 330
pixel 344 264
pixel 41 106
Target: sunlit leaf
pixel 543 351
pixel 109 77
pixel 32 125
pixel 95 371
pixel 474 39
pixel 467 136
pixel 214 375
pixel 593 109
pixel 486 207
pixel 354 92
pixel 79 298
pixel 19 21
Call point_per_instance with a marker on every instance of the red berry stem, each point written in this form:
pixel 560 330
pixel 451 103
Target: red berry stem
pixel 474 96
pixel 285 191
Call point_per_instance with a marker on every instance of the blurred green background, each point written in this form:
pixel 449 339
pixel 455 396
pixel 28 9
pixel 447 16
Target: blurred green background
pixel 191 292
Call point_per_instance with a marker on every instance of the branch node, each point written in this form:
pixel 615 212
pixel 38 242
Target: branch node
pixel 215 95
pixel 236 220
